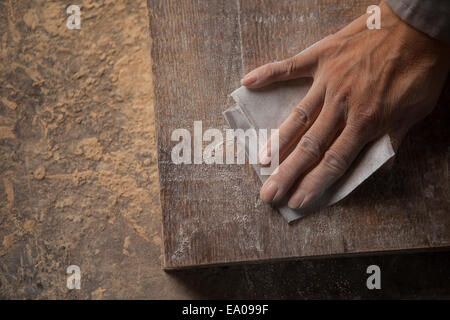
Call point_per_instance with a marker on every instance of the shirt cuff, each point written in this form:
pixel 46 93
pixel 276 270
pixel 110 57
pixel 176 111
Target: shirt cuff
pixel 429 16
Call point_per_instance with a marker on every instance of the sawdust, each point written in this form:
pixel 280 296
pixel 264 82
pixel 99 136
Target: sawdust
pixel 29 226
pixel 7 133
pixel 90 148
pixel 39 174
pixel 8 240
pixel 9 190
pixel 78 149
pixel 98 294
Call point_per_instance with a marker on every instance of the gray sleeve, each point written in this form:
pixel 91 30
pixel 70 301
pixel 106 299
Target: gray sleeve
pixel 429 16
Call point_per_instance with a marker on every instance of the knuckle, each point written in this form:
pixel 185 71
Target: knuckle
pixel 335 161
pixel 363 124
pixel 283 68
pixel 289 66
pixel 309 145
pixel 365 118
pixel 299 115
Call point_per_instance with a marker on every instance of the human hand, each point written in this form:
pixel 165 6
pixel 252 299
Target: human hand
pixel 366 83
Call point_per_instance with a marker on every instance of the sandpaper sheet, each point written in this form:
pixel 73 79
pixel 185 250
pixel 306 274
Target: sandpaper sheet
pixel 268 107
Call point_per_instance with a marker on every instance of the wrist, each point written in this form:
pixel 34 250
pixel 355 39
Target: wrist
pixel 408 34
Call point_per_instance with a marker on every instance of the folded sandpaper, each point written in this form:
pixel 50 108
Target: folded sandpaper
pixel 268 107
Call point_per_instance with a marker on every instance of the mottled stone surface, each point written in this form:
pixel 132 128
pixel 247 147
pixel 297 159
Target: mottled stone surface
pixel 79 182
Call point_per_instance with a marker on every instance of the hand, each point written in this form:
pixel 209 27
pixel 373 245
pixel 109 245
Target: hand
pixel 366 83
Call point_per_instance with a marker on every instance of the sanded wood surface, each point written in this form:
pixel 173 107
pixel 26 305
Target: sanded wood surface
pixel 212 213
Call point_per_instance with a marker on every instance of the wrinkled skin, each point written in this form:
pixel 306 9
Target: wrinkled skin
pixel 366 83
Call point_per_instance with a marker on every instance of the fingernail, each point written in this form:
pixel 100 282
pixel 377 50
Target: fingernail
pixel 297 202
pixel 248 80
pixel 268 191
pixel 264 156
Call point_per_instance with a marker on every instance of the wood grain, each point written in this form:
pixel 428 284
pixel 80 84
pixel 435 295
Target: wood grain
pixel 212 213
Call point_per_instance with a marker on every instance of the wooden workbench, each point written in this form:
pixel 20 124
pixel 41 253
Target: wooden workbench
pixel 212 213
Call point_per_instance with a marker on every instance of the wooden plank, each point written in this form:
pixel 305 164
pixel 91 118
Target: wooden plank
pixel 390 211
pixel 273 30
pixel 212 213
pixel 197 63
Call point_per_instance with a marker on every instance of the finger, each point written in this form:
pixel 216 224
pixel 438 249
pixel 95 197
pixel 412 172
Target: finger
pixel 299 120
pixel 333 165
pixel 307 152
pixel 298 66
